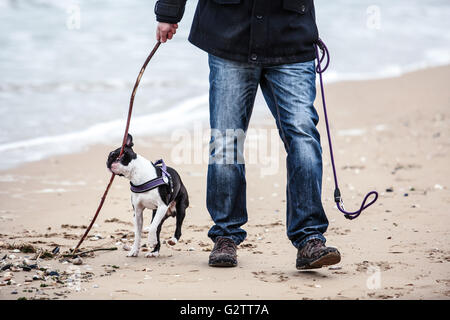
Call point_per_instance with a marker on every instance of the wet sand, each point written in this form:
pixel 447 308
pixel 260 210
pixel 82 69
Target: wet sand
pixel 391 135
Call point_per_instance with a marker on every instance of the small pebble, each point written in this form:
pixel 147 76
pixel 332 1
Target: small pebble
pixel 77 261
pixel 335 268
pixel 7 276
pixel 14 292
pixel 6 267
pixel 126 247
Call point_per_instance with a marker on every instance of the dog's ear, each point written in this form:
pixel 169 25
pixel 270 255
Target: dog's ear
pixel 129 141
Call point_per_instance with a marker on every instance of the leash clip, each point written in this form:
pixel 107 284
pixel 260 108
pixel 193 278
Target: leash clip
pixel 337 196
pixel 340 202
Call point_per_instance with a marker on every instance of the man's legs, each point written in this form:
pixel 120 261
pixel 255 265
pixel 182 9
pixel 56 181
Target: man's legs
pixel 233 87
pixel 290 91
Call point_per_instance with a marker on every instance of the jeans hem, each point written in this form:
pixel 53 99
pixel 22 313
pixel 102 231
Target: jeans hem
pixel 301 244
pixel 236 240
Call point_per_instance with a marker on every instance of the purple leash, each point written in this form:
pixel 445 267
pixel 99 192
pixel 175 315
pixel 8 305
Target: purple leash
pixel 337 193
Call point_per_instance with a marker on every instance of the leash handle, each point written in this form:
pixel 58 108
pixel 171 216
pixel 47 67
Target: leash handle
pixel 124 141
pixel 320 46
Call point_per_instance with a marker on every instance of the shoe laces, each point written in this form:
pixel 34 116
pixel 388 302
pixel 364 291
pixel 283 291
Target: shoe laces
pixel 225 245
pixel 313 245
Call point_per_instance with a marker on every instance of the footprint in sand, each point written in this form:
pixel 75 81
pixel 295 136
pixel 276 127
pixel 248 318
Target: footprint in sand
pixel 273 277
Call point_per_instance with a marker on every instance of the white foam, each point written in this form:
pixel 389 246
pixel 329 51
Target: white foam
pixel 38 148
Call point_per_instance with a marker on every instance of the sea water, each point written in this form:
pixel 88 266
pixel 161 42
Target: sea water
pixel 67 67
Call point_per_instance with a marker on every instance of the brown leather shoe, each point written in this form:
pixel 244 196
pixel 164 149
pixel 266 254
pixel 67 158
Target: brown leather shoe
pixel 224 253
pixel 315 254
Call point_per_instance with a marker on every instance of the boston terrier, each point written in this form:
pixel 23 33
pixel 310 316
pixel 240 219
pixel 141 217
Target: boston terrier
pixel 166 200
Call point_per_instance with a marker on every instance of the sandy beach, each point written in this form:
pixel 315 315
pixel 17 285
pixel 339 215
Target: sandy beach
pixel 391 135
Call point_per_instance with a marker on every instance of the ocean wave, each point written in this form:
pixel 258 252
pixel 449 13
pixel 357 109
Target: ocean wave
pixel 179 116
pixel 110 84
pixel 55 82
pixel 390 71
pixel 60 4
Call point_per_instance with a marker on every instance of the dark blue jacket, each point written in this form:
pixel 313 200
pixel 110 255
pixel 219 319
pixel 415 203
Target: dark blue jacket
pixel 267 32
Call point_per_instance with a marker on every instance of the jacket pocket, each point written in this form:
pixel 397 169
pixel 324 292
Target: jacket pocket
pixel 227 1
pixel 299 6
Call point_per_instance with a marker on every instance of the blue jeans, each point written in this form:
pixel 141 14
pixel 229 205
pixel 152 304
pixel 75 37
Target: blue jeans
pixel 289 91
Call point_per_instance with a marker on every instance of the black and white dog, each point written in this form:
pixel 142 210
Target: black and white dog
pixel 162 200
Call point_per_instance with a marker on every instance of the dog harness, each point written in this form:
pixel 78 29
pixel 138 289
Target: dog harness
pixel 164 179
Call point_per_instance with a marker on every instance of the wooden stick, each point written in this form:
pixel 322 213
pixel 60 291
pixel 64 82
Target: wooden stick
pixel 130 109
pixel 88 251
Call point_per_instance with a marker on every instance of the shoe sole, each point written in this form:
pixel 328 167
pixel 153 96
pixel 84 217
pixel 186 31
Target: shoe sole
pixel 326 260
pixel 223 263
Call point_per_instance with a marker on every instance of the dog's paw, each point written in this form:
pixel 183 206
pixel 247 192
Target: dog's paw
pixel 172 241
pixel 152 254
pixel 133 253
pixel 152 242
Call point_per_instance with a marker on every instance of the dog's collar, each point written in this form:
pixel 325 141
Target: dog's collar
pixel 164 179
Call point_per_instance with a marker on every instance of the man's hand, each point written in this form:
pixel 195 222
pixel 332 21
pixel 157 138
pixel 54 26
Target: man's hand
pixel 165 31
